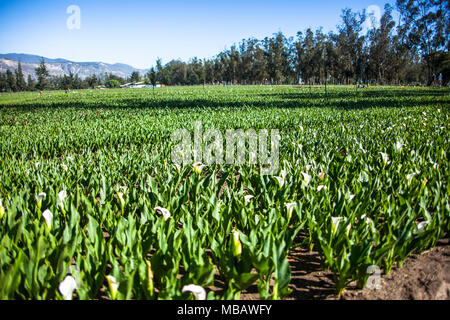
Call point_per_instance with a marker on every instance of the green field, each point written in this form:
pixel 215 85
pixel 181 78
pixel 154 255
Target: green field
pixel 363 180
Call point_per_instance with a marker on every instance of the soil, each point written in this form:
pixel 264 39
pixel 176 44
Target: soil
pixel 424 276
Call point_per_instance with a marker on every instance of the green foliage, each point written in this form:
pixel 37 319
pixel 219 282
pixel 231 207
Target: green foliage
pixel 112 83
pixel 378 189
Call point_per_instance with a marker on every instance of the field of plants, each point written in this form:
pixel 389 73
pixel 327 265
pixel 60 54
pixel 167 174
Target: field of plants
pixel 91 206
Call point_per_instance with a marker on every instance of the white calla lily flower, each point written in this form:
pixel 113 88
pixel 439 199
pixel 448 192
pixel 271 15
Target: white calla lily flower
pixel 322 175
pixel 237 246
pixel 421 226
pixel 366 218
pixel 39 198
pixel 164 211
pixel 198 291
pixel 290 208
pixel 398 146
pixel 67 287
pixel 121 199
pixel 306 177
pixel 385 158
pixel 113 285
pixel 280 181
pixel 62 195
pixel 2 209
pixel 319 188
pixel 248 197
pixel 198 167
pixel 281 178
pixel 334 223
pixel 409 177
pixel 48 217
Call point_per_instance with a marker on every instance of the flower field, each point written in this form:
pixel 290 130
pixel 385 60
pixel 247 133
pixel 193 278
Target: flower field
pixel 91 206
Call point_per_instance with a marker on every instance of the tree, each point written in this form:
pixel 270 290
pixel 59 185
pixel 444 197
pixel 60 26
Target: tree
pixel 135 77
pixel 426 26
pixel 20 81
pixel 387 53
pixel 3 82
pixel 11 84
pixel 350 45
pixel 160 72
pixel 381 49
pixel 113 83
pixel 91 81
pixel 42 75
pixel 30 83
pixel 152 77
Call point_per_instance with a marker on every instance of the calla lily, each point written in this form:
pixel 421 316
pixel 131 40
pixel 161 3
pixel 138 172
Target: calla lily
pixel 164 211
pixel 65 167
pixel 150 277
pixel 290 208
pixel 366 218
pixel 308 167
pixel 385 158
pixel 198 292
pixel 281 178
pixel 398 146
pixel 409 177
pixel 39 199
pixel 48 217
pixel 321 187
pixel 67 287
pixel 62 195
pixel 422 226
pixel 2 210
pixel 113 285
pixel 335 223
pixel 248 197
pixel 198 167
pixel 280 181
pixel 306 177
pixel 322 175
pixel 121 200
pixel 237 246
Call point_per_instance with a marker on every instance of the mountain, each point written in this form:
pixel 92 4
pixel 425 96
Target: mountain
pixel 59 67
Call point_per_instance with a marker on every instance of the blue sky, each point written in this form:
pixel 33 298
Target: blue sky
pixel 138 32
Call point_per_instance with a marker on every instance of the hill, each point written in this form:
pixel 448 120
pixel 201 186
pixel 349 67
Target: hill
pixel 59 67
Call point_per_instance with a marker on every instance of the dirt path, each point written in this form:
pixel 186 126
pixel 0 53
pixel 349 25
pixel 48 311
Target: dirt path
pixel 422 277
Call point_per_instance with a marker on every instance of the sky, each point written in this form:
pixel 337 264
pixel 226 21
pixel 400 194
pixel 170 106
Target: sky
pixel 139 32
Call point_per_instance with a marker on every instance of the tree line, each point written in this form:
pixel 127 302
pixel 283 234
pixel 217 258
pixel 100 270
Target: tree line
pixel 413 50
pixel 15 81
